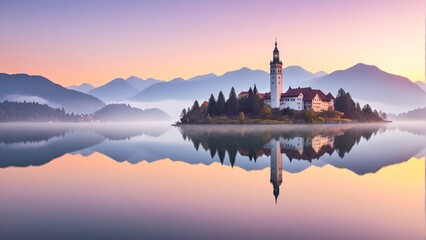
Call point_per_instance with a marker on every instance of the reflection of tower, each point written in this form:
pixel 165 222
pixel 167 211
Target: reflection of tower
pixel 276 167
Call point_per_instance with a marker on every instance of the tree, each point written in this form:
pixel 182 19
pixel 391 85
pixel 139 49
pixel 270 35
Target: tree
pixel 220 106
pixel 211 109
pixel 196 106
pixel 255 90
pixel 241 116
pixel 345 104
pixel 183 116
pixel 266 112
pixel 309 114
pixel 232 106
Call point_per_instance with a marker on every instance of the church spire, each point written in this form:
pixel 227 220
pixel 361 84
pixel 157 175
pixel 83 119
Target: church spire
pixel 276 54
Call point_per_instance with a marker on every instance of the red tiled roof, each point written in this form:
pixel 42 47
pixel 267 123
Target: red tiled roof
pixel 294 92
pixel 308 93
pixel 262 96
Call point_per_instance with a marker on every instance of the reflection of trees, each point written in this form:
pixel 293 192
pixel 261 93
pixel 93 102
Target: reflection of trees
pixel 343 143
pixel 224 142
pixel 252 141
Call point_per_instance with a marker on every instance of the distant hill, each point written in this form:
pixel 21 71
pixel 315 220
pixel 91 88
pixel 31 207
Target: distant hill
pixel 201 86
pixel 370 84
pixel 413 115
pixel 123 112
pixel 140 83
pixel 422 85
pixel 116 90
pixel 32 112
pixel 35 112
pixel 296 76
pixel 23 87
pixel 84 88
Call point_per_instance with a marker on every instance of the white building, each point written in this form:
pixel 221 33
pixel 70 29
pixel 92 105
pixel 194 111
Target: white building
pixel 307 98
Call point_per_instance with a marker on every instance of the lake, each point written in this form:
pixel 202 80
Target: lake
pixel 155 181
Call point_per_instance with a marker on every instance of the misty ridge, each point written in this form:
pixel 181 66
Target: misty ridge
pixel 35 112
pixel 366 84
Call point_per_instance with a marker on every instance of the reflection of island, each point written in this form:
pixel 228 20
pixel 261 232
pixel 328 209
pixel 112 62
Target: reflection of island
pixel 325 145
pixel 361 149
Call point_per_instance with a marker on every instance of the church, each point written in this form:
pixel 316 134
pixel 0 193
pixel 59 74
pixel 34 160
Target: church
pixel 293 98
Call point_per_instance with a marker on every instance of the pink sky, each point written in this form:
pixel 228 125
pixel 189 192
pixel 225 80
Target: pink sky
pixel 72 42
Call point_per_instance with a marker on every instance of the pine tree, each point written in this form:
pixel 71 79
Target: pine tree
pixel 211 109
pixel 220 106
pixel 196 106
pixel 232 106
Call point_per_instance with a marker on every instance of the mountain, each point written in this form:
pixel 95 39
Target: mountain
pixel 23 87
pixel 369 84
pixel 320 74
pixel 413 115
pixel 140 83
pixel 296 76
pixel 200 87
pixel 123 112
pixel 202 77
pixel 116 90
pixel 421 84
pixel 84 88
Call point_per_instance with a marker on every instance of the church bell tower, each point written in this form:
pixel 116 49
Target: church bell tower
pixel 276 78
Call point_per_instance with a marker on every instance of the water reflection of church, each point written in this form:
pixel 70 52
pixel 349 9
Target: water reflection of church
pixel 307 148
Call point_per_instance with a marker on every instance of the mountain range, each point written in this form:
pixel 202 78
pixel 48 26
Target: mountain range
pixel 368 83
pixel 200 87
pixel 84 88
pixel 365 83
pixel 23 87
pixel 418 114
pixel 116 90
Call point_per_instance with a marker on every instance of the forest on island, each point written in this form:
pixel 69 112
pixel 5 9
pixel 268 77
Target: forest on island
pixel 251 109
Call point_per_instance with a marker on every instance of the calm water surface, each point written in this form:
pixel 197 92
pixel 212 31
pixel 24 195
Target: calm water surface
pixel 131 181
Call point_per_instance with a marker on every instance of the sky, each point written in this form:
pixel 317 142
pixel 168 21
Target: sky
pixel 76 41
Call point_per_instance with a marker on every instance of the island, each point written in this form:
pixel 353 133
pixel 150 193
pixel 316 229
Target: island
pixel 251 109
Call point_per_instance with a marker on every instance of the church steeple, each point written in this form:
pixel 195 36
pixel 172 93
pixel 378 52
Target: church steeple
pixel 276 78
pixel 276 54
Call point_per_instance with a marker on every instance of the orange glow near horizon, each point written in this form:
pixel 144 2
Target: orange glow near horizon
pixel 73 43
